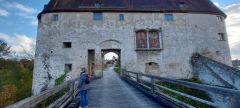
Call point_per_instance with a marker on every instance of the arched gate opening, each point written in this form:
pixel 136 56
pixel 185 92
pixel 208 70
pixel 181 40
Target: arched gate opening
pixel 111 57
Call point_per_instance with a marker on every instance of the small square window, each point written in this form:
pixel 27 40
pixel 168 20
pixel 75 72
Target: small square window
pixel 219 18
pixel 97 16
pixel 55 18
pixel 68 67
pixel 67 44
pixel 222 37
pixel 121 17
pixel 168 17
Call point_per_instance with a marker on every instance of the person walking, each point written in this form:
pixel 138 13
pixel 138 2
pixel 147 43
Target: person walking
pixel 83 87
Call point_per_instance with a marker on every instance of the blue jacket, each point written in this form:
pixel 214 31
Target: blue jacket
pixel 81 82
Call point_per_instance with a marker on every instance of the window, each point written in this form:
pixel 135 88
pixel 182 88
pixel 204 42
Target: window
pixel 151 68
pixel 181 5
pixel 55 18
pixel 121 17
pixel 141 37
pixel 168 17
pixel 148 39
pixel 67 44
pixel 97 16
pixel 68 67
pixel 219 18
pixel 98 5
pixel 222 37
pixel 153 39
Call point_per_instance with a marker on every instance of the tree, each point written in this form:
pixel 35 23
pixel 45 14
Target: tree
pixel 28 54
pixel 4 48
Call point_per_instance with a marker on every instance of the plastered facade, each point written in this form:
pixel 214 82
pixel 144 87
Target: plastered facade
pixel 188 33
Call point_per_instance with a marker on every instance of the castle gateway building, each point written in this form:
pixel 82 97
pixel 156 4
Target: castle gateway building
pixel 156 37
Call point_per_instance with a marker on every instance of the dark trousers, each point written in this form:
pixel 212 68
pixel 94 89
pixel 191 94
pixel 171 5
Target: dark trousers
pixel 83 98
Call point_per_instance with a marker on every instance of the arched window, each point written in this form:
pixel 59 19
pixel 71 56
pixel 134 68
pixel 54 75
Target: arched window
pixel 150 39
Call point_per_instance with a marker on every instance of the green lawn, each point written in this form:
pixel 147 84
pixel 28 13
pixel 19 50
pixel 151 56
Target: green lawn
pixel 117 70
pixel 190 91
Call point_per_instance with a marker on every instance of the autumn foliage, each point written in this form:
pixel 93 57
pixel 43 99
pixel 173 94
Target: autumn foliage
pixel 15 80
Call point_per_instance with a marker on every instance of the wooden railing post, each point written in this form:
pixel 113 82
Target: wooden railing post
pixel 138 79
pixel 152 85
pixel 122 72
pixel 72 88
pixel 128 75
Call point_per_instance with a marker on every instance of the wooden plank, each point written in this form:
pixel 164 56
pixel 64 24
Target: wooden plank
pixel 32 101
pixel 59 101
pixel 207 88
pixel 175 100
pixel 187 95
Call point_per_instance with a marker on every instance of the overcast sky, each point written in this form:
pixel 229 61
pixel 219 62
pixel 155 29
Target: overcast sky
pixel 18 23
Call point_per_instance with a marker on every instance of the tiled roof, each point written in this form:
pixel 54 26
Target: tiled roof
pixel 184 6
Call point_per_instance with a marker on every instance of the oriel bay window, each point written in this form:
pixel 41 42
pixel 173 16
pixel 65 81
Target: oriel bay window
pixel 148 39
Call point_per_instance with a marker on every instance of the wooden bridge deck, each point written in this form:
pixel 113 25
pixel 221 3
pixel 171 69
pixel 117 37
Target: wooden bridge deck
pixel 111 92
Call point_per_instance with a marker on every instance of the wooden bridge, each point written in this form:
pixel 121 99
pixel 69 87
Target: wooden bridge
pixel 131 90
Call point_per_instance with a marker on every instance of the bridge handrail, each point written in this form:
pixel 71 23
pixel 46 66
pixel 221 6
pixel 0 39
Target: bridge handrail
pixel 34 100
pixel 235 94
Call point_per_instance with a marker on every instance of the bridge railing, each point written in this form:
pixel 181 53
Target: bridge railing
pixel 150 85
pixel 68 88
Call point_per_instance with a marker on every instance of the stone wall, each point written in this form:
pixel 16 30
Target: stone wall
pixel 236 64
pixel 187 34
pixel 216 73
pixel 212 72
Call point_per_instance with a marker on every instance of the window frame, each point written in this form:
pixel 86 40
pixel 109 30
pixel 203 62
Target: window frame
pixel 97 16
pixel 141 30
pixel 67 45
pixel 55 17
pixel 160 40
pixel 181 5
pixel 166 17
pixel 69 65
pixel 222 37
pixel 220 18
pixel 121 17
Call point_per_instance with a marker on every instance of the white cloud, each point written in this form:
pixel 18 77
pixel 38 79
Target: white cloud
pixel 34 23
pixel 3 12
pixel 24 11
pixel 18 42
pixel 216 3
pixel 233 28
pixel 22 8
pixel 25 15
